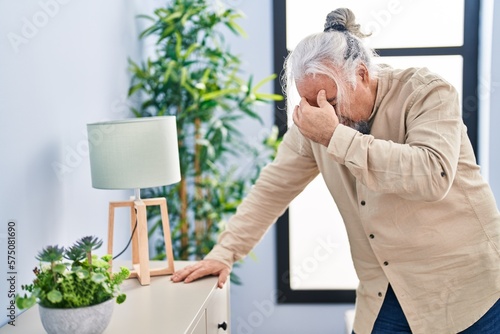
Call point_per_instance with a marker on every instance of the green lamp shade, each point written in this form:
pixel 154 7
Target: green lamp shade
pixel 134 153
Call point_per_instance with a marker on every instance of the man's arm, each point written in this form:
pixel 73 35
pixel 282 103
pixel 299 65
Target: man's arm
pixel 421 168
pixel 279 182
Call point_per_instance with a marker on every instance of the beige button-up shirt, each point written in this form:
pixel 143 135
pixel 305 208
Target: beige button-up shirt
pixel 417 211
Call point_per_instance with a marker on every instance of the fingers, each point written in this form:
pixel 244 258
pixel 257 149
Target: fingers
pixel 180 275
pixel 197 272
pixel 223 278
pixel 321 99
pixel 202 269
pixel 188 274
pixel 303 104
pixel 316 122
pixel 298 110
pixel 295 115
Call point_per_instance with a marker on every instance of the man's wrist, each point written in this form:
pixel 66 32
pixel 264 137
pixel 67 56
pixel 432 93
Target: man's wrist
pixel 221 254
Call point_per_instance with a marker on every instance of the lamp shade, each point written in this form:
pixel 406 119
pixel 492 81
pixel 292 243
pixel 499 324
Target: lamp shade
pixel 134 153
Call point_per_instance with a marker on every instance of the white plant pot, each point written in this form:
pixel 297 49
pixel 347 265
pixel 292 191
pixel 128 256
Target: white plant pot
pixel 82 320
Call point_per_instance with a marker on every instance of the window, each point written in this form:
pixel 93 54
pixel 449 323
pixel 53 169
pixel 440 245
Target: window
pixel 314 263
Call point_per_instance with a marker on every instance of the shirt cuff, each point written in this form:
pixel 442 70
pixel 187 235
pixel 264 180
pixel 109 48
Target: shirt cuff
pixel 341 141
pixel 221 254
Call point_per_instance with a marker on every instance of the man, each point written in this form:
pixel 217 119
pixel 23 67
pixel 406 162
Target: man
pixel 393 150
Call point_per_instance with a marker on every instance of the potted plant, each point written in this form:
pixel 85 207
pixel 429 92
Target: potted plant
pixel 75 290
pixel 194 76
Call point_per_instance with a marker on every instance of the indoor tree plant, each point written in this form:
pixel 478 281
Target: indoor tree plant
pixel 195 77
pixel 71 281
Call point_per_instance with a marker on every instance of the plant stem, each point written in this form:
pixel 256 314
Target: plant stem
pixel 197 180
pixel 183 214
pixel 89 260
pixel 52 265
pixel 209 221
pixel 183 220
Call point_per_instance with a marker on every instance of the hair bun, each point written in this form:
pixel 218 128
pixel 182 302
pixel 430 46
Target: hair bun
pixel 343 19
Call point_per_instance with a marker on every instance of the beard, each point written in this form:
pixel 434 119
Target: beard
pixel 361 126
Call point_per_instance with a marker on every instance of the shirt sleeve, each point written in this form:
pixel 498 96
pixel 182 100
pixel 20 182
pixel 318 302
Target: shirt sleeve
pixel 278 183
pixel 421 168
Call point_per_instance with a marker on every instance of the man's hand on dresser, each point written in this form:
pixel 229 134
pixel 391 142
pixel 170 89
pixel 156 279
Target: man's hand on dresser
pixel 201 269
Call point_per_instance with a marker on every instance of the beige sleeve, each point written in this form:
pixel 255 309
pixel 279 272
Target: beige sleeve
pixel 421 168
pixel 279 182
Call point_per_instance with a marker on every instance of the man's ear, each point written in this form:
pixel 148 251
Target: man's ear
pixel 363 73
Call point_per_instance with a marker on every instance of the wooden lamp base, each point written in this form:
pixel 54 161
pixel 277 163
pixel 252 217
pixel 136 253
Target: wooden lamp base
pixel 140 248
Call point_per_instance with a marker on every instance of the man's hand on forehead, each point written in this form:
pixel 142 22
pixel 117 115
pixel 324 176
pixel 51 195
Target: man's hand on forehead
pixel 316 122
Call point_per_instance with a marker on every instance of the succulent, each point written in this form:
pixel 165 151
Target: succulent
pixel 75 254
pixel 50 254
pixel 84 281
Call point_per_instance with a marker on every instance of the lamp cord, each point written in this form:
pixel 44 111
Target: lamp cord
pixel 128 243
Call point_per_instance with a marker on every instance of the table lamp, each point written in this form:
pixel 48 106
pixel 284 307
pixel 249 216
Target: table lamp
pixel 134 154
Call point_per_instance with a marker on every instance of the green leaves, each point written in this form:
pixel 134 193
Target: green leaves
pixel 75 254
pixel 50 254
pixel 54 296
pixel 121 298
pixel 264 96
pixel 83 281
pixel 25 302
pixel 81 273
pixel 98 278
pixel 88 243
pixel 59 268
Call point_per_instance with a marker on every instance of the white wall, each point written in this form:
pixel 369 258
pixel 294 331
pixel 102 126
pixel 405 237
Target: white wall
pixel 63 64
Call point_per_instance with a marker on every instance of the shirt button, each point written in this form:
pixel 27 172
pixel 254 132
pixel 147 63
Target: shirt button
pixel 372 236
pixel 363 202
pixel 380 294
pixel 443 174
pixel 386 263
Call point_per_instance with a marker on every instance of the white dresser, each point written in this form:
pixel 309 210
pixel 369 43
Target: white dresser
pixel 199 307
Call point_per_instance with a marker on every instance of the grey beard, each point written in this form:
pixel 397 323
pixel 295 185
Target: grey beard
pixel 362 126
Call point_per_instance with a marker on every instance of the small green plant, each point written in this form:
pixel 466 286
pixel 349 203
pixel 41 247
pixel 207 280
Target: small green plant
pixel 73 277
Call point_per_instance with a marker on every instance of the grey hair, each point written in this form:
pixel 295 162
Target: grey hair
pixel 336 52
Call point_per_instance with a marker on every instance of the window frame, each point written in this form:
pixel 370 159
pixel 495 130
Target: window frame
pixel 469 52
